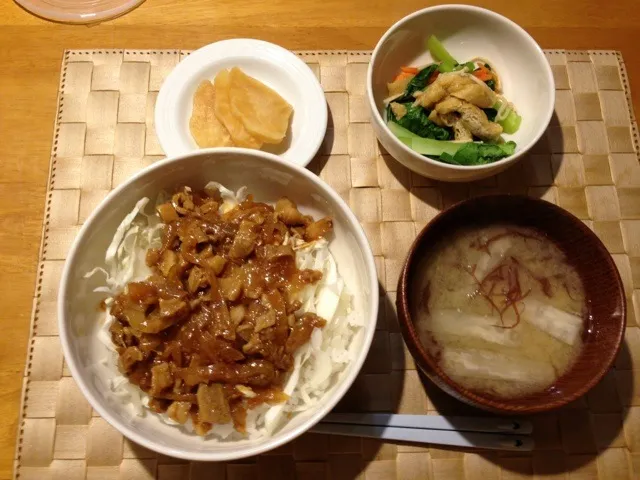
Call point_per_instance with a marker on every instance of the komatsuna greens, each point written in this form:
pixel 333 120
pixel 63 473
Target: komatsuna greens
pixel 450 111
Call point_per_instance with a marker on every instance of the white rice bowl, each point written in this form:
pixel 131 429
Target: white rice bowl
pixel 92 364
pixel 317 365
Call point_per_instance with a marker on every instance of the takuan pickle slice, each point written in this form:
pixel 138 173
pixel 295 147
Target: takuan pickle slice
pixel 263 112
pixel 205 127
pixel 238 132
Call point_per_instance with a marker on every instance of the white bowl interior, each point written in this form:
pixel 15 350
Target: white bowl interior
pixel 268 178
pixel 274 66
pixel 469 32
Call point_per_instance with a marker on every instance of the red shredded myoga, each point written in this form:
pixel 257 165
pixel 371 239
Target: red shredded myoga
pixel 545 284
pixel 485 295
pixel 507 276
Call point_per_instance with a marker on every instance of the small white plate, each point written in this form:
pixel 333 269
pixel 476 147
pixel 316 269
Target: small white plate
pixel 276 67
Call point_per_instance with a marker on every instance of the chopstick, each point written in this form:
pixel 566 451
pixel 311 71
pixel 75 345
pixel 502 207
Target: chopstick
pixel 486 432
pixel 434 422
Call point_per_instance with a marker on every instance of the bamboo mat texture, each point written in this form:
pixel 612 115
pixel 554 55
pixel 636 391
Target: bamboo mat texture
pixel 587 163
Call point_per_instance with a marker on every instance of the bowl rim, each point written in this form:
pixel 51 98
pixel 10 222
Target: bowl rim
pixel 57 14
pixel 426 362
pixel 379 121
pixel 274 441
pixel 183 72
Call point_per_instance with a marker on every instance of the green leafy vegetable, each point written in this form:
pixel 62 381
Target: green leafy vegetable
pixel 470 66
pixel 438 52
pixel 390 115
pixel 417 121
pixel 453 152
pixel 491 113
pixel 491 84
pixel 511 124
pixel 447 158
pixel 419 82
pixel 479 153
pixel 445 67
pixel 424 146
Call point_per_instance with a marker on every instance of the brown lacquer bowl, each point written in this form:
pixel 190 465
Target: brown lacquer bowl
pixel 604 293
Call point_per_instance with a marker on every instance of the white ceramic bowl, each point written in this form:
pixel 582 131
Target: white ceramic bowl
pixel 268 177
pixel 274 66
pixel 466 32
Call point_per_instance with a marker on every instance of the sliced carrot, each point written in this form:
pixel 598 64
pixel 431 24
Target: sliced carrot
pixel 483 74
pixel 402 75
pixel 411 70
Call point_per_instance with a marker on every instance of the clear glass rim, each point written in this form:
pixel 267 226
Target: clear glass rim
pixel 79 12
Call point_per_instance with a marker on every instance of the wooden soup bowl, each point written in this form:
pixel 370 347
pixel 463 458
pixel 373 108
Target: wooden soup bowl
pixel 606 308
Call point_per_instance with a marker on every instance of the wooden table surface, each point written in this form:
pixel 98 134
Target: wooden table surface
pixel 30 57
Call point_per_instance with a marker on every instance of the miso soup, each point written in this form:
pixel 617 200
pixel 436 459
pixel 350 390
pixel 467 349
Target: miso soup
pixel 501 310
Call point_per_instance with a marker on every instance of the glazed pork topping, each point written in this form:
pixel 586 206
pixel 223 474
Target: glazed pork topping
pixel 212 332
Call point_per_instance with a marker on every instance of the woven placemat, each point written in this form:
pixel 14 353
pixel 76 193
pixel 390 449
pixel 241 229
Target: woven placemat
pixel 587 163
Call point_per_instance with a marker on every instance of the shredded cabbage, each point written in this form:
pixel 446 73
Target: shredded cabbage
pixel 317 365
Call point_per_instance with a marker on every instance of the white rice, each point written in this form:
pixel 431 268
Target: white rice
pixel 317 365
